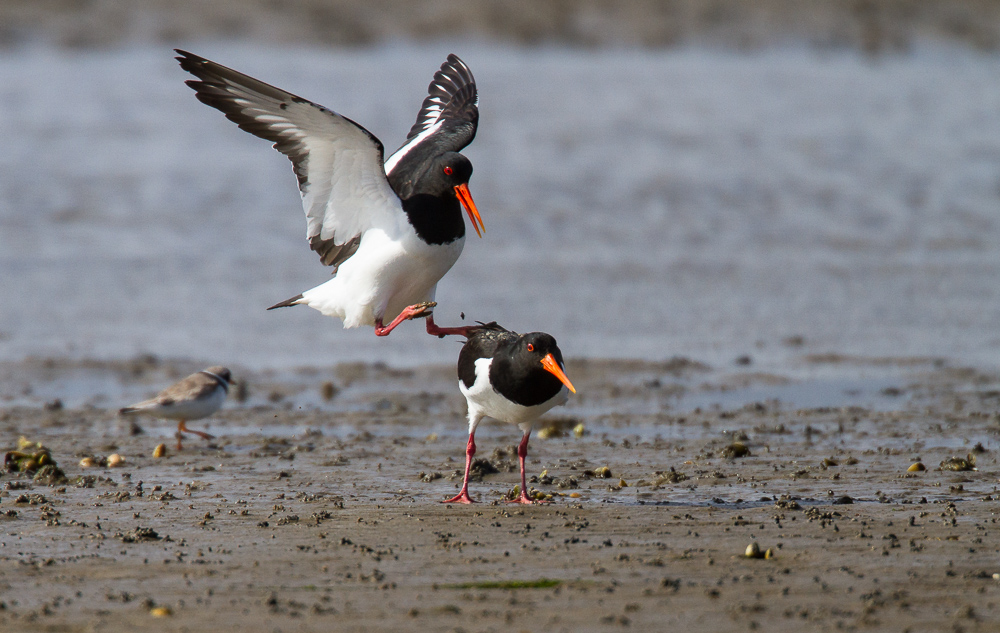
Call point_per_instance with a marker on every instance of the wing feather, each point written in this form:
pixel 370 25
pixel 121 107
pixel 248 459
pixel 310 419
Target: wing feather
pixel 338 163
pixel 448 117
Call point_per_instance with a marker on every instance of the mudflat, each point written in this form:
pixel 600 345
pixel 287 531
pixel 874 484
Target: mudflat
pixel 317 506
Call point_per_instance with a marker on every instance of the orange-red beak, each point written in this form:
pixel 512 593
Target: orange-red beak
pixel 551 366
pixel 462 191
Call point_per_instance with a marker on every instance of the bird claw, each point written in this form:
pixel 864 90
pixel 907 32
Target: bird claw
pixel 462 497
pixel 421 310
pixel 524 499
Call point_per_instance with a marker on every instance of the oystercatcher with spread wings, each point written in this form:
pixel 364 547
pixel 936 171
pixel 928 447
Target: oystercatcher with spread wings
pixel 390 231
pixel 513 378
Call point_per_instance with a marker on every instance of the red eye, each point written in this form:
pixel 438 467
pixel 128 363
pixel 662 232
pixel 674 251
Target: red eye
pixel 531 347
pixel 448 171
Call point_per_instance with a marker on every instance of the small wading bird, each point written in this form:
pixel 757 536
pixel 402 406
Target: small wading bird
pixel 390 231
pixel 197 396
pixel 513 378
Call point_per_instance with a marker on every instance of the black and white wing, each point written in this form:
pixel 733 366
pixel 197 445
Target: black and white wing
pixel 483 342
pixel 338 163
pixel 448 117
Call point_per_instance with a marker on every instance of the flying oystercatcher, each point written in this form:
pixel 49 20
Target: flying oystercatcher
pixel 197 396
pixel 513 378
pixel 390 231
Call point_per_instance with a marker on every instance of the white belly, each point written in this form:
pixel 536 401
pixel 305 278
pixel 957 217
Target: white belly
pixel 382 278
pixel 190 409
pixel 483 399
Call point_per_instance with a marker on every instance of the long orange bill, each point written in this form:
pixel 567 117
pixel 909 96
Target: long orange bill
pixel 551 366
pixel 462 191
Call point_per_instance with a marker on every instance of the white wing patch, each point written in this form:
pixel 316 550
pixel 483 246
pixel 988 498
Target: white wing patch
pixel 413 142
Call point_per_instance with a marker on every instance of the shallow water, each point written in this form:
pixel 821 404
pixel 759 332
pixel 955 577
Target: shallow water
pixel 637 204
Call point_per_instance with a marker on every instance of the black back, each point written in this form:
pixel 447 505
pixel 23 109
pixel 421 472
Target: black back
pixel 482 343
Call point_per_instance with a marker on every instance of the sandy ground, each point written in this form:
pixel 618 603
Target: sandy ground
pixel 309 513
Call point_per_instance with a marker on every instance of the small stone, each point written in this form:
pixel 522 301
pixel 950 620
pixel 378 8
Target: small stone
pixel 916 467
pixel 753 550
pixel 735 450
pixel 328 391
pixel 88 462
pixel 115 460
pixel 159 451
pixel 959 463
pixel 548 432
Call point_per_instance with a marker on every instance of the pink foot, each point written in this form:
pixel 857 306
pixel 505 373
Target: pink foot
pixel 462 497
pixel 410 312
pixel 526 500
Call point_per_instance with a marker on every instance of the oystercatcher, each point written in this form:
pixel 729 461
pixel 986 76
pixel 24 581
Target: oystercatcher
pixel 197 396
pixel 389 237
pixel 513 378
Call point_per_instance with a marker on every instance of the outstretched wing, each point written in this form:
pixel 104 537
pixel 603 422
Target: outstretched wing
pixel 338 163
pixel 448 117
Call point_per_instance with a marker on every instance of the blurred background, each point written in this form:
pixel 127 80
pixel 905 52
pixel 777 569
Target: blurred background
pixel 737 182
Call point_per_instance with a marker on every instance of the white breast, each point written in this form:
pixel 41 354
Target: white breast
pixel 482 397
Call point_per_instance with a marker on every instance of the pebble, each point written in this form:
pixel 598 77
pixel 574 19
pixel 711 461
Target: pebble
pixel 916 467
pixel 160 451
pixel 88 462
pixel 115 460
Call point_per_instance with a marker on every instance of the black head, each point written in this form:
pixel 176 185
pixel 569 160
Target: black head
pixel 431 197
pixel 452 168
pixel 529 369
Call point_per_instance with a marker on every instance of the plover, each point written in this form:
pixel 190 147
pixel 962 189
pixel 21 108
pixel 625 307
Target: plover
pixel 197 396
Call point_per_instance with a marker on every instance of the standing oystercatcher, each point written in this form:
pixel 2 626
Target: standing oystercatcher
pixel 197 396
pixel 513 378
pixel 390 238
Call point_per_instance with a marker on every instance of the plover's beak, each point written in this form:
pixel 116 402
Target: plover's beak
pixel 551 366
pixel 462 191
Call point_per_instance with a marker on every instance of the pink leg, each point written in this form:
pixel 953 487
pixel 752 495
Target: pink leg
pixel 522 452
pixel 410 312
pixel 440 332
pixel 463 496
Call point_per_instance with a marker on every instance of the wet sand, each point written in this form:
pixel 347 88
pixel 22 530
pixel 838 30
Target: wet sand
pixel 309 513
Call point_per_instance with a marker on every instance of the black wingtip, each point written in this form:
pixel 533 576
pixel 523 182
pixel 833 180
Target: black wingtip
pixel 287 302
